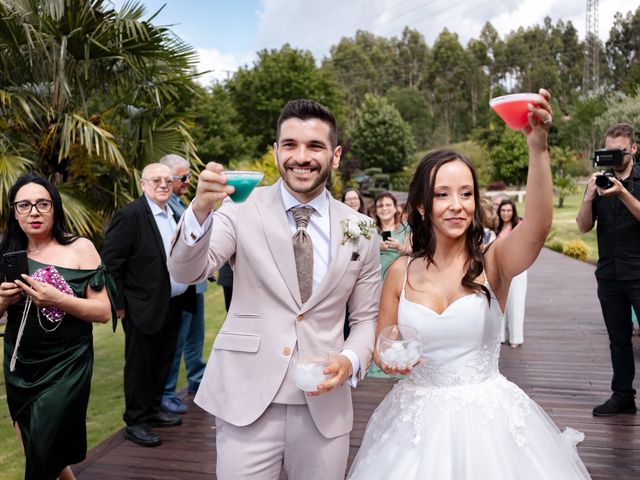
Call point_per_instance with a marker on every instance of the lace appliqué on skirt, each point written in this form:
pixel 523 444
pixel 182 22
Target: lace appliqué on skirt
pixel 434 390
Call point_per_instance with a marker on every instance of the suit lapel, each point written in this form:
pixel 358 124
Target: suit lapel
pixel 340 257
pixel 276 230
pixel 153 226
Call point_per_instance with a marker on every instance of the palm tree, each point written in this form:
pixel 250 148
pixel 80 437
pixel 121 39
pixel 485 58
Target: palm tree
pixel 88 96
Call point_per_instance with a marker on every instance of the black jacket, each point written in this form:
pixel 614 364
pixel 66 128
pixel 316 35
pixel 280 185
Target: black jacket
pixel 134 255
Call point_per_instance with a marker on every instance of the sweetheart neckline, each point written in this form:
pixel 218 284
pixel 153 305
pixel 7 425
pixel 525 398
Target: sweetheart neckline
pixel 404 297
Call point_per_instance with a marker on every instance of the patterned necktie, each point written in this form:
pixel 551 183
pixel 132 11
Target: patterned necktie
pixel 303 251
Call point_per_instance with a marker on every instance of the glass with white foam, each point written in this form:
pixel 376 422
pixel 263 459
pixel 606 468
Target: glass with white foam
pixel 308 368
pixel 399 346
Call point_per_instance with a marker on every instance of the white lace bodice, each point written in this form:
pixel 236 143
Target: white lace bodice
pixel 459 346
pixel 460 351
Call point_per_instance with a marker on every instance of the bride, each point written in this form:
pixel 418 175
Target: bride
pixel 455 417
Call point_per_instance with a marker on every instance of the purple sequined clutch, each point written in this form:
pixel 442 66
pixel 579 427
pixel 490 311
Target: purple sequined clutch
pixel 51 276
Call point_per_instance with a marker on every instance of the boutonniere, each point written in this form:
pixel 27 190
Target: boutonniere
pixel 353 228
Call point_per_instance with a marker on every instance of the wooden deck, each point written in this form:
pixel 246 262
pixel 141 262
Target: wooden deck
pixel 564 365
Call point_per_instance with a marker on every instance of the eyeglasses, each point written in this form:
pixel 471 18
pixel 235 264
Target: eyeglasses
pixel 157 181
pixel 25 206
pixel 183 178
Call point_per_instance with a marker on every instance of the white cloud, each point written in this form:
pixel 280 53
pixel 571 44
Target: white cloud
pixel 528 12
pixel 220 65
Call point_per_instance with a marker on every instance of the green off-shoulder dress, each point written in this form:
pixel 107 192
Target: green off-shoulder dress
pixel 48 391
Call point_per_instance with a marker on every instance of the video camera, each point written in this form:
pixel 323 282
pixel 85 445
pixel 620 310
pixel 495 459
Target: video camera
pixel 604 158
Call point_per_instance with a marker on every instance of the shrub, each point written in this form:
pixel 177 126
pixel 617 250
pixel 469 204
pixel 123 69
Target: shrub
pixel 576 249
pixel 496 186
pixel 400 181
pixel 555 245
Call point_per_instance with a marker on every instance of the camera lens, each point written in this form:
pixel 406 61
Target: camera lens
pixel 603 181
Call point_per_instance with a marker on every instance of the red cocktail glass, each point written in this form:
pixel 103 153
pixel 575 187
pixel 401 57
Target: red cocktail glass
pixel 513 109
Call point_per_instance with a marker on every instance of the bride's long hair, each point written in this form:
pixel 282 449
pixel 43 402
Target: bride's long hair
pixel 423 239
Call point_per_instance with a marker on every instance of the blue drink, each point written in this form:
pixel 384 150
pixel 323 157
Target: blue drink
pixel 244 183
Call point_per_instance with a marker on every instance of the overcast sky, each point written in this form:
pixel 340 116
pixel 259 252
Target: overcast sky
pixel 227 33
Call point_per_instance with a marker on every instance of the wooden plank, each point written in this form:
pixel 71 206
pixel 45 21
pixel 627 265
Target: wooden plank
pixel 564 365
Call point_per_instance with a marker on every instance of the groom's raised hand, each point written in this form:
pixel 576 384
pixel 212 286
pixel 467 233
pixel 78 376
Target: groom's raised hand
pixel 340 369
pixel 212 187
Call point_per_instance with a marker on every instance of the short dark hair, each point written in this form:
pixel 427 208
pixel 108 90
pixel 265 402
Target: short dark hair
pixel 305 109
pixel 14 238
pixel 621 130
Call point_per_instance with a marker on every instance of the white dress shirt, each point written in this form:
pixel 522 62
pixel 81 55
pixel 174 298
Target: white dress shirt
pixel 167 225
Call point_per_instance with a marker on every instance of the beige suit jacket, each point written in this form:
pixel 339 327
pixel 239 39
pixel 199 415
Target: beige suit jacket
pixel 266 319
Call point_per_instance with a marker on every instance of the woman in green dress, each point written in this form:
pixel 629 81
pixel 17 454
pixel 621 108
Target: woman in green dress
pixel 394 239
pixel 393 233
pixel 48 346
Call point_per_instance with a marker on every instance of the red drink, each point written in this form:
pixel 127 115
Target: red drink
pixel 513 109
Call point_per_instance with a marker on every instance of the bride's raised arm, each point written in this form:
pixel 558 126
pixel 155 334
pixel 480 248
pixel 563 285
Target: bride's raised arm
pixel 514 253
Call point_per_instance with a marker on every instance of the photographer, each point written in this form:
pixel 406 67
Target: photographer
pixel 616 207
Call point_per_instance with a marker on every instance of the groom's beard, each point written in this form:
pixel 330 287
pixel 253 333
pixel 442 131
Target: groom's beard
pixel 322 174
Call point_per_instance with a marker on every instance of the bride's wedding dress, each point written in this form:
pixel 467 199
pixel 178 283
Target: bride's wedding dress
pixel 455 417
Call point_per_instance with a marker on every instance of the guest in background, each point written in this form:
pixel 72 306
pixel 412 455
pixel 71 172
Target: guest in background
pixel 48 364
pixel 513 320
pixel 507 217
pixel 497 199
pixel 394 238
pixel 353 198
pixel 393 235
pixel 149 302
pixel 191 335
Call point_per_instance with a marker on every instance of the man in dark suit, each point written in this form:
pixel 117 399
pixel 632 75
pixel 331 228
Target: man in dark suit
pixel 149 302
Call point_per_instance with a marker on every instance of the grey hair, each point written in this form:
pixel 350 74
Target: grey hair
pixel 172 161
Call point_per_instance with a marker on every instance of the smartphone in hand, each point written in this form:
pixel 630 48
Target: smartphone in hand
pixel 386 235
pixel 15 264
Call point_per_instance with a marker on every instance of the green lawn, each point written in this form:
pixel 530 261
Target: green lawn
pixel 564 225
pixel 565 228
pixel 106 405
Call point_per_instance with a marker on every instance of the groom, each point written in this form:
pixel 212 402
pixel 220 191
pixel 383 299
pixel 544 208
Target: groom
pixel 295 270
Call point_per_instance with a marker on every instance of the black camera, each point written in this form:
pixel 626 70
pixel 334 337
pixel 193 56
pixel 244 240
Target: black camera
pixel 604 158
pixel 603 181
pixel 608 157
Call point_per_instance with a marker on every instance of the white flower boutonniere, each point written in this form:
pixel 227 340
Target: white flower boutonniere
pixel 353 228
